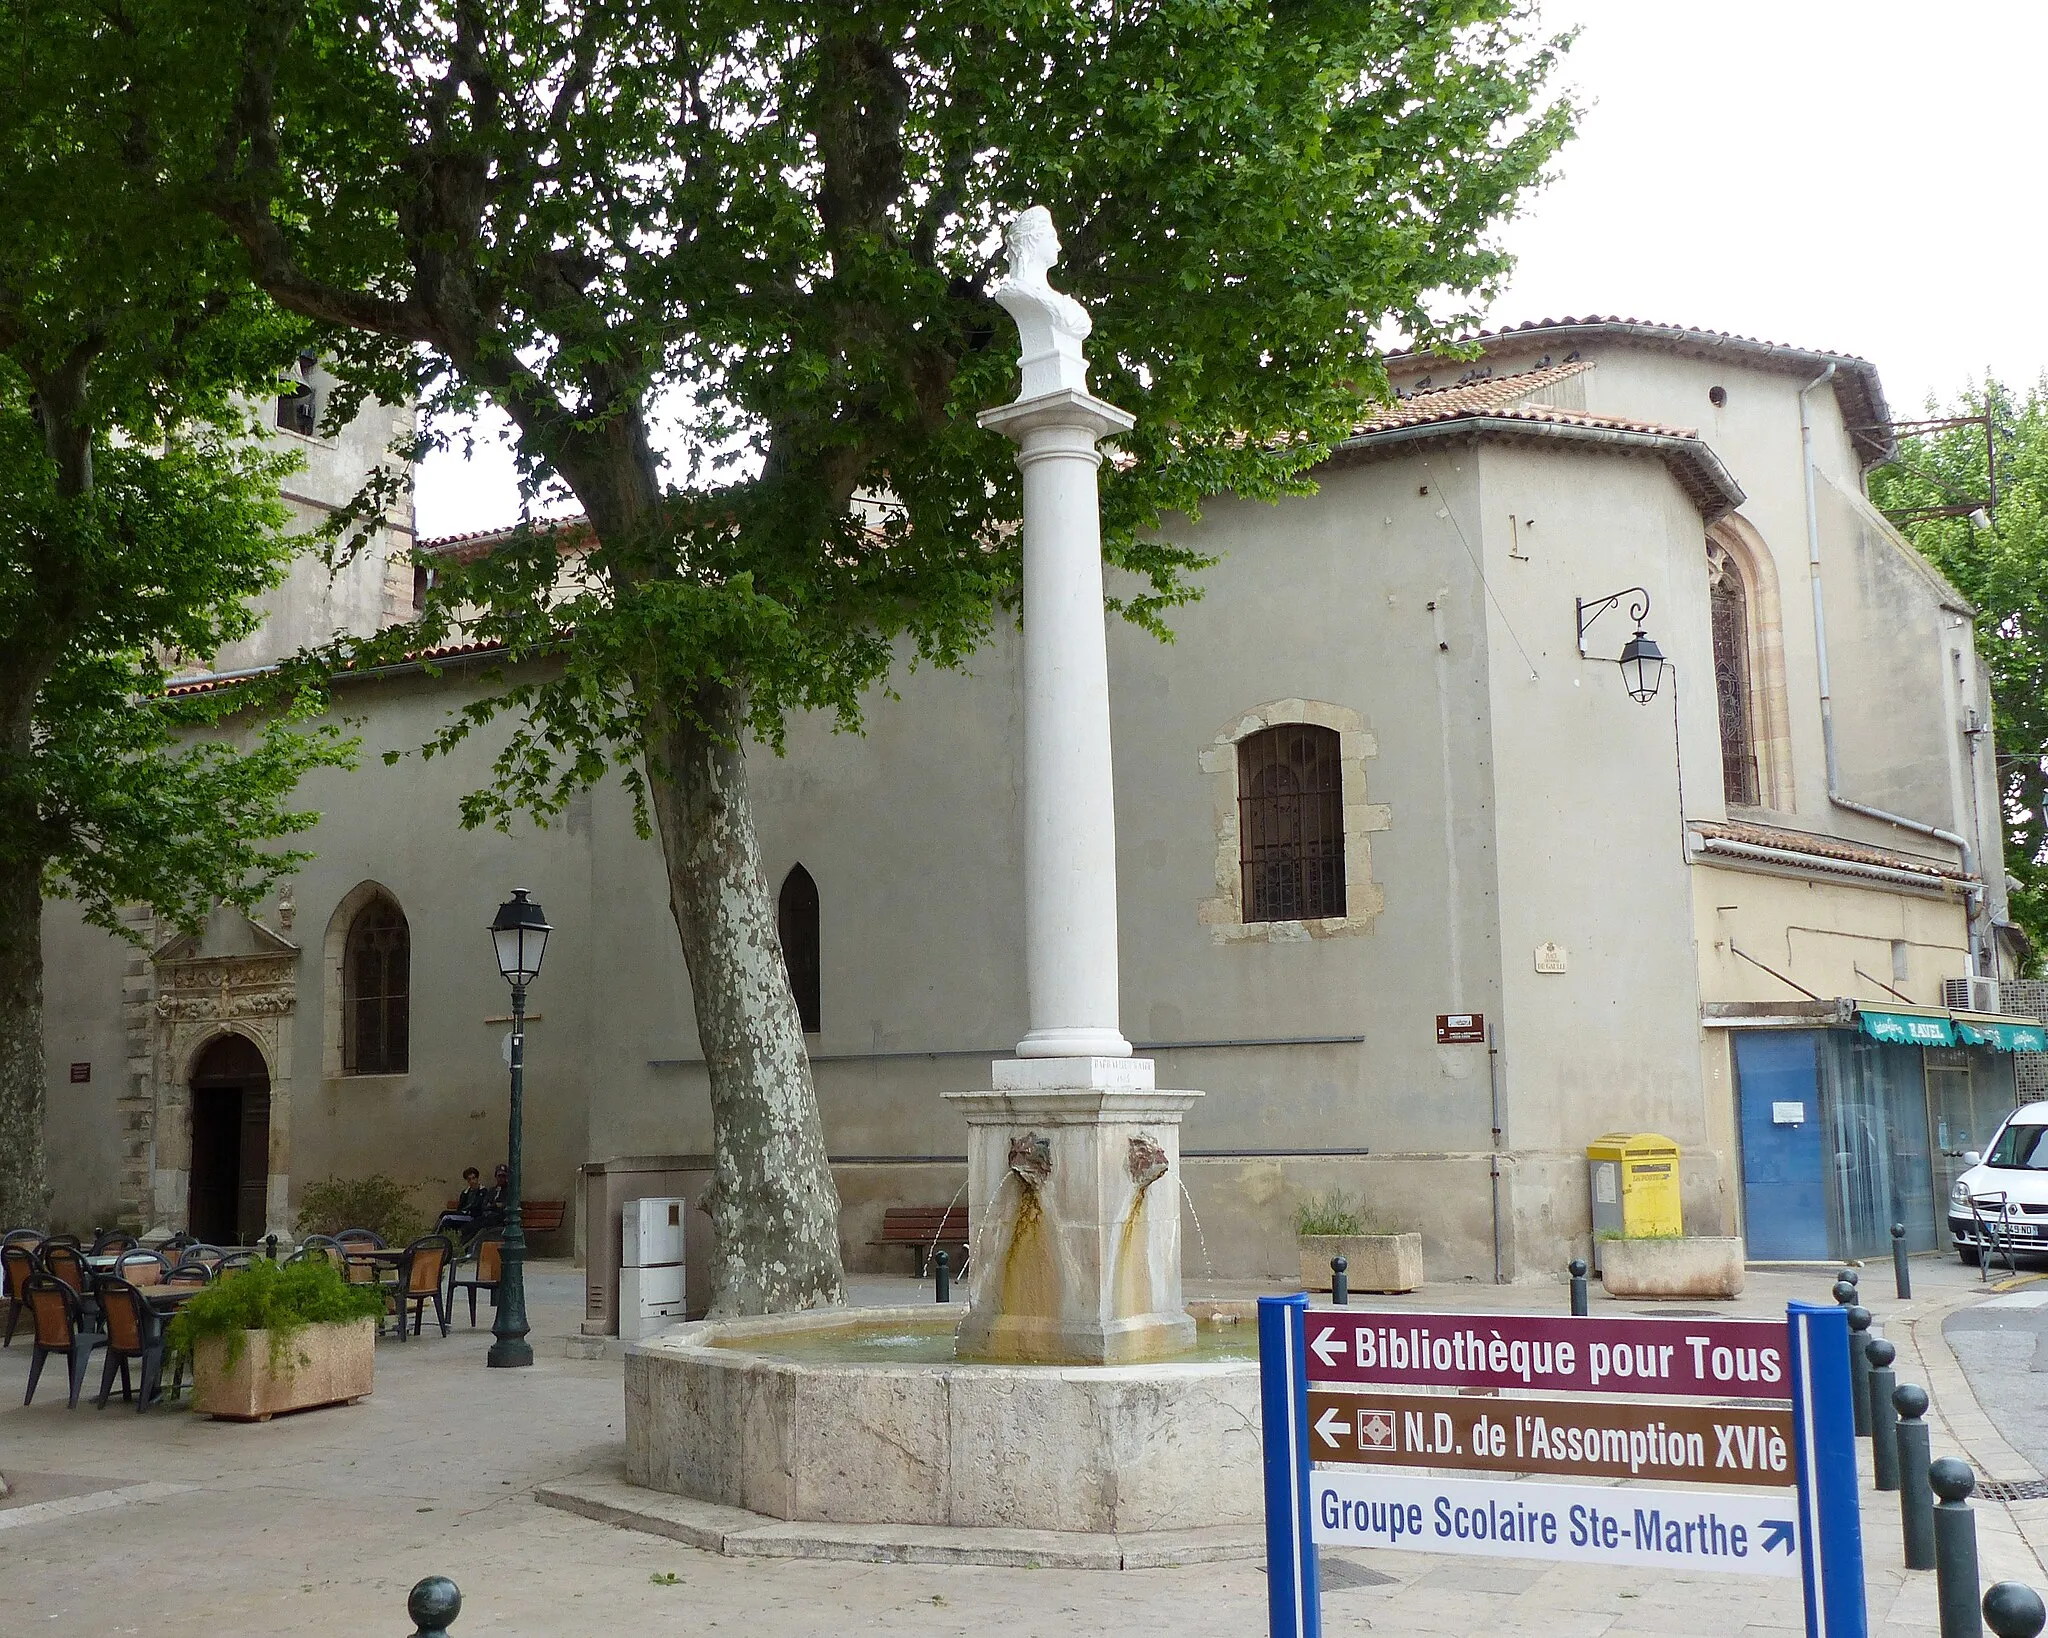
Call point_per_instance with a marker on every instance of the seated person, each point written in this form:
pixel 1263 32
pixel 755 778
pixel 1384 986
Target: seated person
pixel 469 1205
pixel 491 1212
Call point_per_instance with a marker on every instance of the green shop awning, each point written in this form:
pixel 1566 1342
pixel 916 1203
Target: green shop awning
pixel 1907 1028
pixel 2005 1034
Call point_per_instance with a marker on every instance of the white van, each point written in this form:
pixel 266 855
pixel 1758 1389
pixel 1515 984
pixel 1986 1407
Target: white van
pixel 2004 1189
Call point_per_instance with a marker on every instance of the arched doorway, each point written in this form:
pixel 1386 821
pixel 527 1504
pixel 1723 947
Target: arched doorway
pixel 230 1142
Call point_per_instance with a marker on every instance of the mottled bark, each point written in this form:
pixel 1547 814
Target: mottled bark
pixel 773 1202
pixel 24 1177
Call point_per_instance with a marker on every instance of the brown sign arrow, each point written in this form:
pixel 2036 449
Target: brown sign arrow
pixel 1696 1444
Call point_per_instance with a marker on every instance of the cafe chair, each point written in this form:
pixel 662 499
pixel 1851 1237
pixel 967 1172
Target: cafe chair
pixel 141 1266
pixel 132 1335
pixel 484 1270
pixel 421 1279
pixel 17 1262
pixel 112 1244
pixel 200 1252
pixel 235 1261
pixel 59 1330
pixel 189 1274
pixel 27 1236
pixel 68 1264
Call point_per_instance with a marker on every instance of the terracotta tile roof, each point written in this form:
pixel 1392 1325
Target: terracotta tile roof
pixel 570 533
pixel 1508 397
pixel 1829 847
pixel 1512 406
pixel 213 682
pixel 1856 385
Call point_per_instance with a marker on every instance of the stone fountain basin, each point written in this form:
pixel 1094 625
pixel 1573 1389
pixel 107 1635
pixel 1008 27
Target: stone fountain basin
pixel 713 1414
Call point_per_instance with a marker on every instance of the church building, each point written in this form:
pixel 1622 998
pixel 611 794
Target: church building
pixel 1587 755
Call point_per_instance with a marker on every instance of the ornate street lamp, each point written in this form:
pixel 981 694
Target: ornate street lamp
pixel 520 936
pixel 1642 661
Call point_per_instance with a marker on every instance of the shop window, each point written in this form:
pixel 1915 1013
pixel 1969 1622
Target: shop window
pixel 1291 823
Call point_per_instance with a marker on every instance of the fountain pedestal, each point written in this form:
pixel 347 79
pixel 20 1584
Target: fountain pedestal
pixel 1073 1180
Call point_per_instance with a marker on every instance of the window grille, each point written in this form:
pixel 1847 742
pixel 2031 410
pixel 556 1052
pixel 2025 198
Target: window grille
pixel 1731 680
pixel 1290 823
pixel 377 992
pixel 796 924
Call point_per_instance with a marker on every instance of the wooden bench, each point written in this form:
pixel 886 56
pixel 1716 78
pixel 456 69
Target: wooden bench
pixel 542 1216
pixel 926 1229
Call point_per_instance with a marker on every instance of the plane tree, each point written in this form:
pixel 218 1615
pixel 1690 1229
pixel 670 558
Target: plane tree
pixel 725 266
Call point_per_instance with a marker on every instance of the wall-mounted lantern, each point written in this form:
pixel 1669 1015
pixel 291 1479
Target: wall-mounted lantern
pixel 1642 661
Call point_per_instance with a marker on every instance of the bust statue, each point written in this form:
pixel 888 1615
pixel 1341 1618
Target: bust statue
pixel 1051 324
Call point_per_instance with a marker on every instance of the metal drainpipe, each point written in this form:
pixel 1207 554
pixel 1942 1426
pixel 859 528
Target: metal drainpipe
pixel 1975 892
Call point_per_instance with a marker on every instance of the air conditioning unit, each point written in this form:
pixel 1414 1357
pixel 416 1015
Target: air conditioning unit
pixel 1970 994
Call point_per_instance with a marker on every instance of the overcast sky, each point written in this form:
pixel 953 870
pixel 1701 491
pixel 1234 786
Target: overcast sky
pixel 1859 176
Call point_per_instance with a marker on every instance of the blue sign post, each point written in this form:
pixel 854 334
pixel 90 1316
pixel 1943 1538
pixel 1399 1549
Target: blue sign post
pixel 1823 1426
pixel 1510 1517
pixel 1292 1595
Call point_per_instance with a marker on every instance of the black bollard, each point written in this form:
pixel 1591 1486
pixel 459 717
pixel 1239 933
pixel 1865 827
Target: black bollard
pixel 1916 1499
pixel 2012 1609
pixel 1340 1280
pixel 433 1605
pixel 943 1277
pixel 1845 1292
pixel 1884 1415
pixel 1955 1550
pixel 270 1246
pixel 1859 1368
pixel 1579 1301
pixel 1902 1276
pixel 1850 1275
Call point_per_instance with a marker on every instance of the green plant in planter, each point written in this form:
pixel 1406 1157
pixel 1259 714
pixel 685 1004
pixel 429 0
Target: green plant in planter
pixel 1336 1213
pixel 265 1297
pixel 381 1204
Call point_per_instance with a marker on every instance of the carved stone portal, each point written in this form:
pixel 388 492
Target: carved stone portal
pixel 237 977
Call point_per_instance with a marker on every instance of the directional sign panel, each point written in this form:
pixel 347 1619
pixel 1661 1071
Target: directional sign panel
pixel 1742 1532
pixel 1609 1439
pixel 1691 1358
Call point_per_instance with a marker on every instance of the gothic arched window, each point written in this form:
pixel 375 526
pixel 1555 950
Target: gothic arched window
pixel 1290 823
pixel 376 991
pixel 796 924
pixel 1730 604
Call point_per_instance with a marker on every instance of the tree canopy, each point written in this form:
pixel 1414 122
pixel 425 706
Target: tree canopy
pixel 137 521
pixel 762 235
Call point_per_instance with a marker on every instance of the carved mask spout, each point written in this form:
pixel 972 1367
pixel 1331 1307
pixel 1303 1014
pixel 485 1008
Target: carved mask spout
pixel 1147 1161
pixel 1031 1160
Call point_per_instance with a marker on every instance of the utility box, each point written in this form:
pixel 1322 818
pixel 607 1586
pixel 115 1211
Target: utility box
pixel 1635 1187
pixel 608 1185
pixel 651 1276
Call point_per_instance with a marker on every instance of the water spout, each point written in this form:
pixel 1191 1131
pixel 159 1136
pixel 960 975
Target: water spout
pixel 1031 1159
pixel 1146 1161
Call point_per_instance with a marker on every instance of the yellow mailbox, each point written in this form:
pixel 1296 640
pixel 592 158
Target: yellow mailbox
pixel 1635 1185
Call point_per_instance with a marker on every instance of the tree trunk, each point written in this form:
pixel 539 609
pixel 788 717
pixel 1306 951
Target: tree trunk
pixel 773 1203
pixel 24 1178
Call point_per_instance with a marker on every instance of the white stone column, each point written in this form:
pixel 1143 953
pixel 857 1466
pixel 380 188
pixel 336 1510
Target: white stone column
pixel 1070 913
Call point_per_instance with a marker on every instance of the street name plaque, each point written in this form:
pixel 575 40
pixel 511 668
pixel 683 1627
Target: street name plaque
pixel 1591 1438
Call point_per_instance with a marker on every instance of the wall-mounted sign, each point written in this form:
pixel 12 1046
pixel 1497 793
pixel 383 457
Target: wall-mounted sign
pixel 1788 1114
pixel 1550 956
pixel 80 1074
pixel 1460 1028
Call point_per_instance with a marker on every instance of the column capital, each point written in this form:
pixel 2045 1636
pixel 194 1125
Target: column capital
pixel 1064 408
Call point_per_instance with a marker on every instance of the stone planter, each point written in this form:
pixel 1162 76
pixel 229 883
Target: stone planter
pixel 1379 1262
pixel 1672 1268
pixel 329 1365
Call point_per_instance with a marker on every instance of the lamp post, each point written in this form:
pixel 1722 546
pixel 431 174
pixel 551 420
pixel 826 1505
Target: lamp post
pixel 520 936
